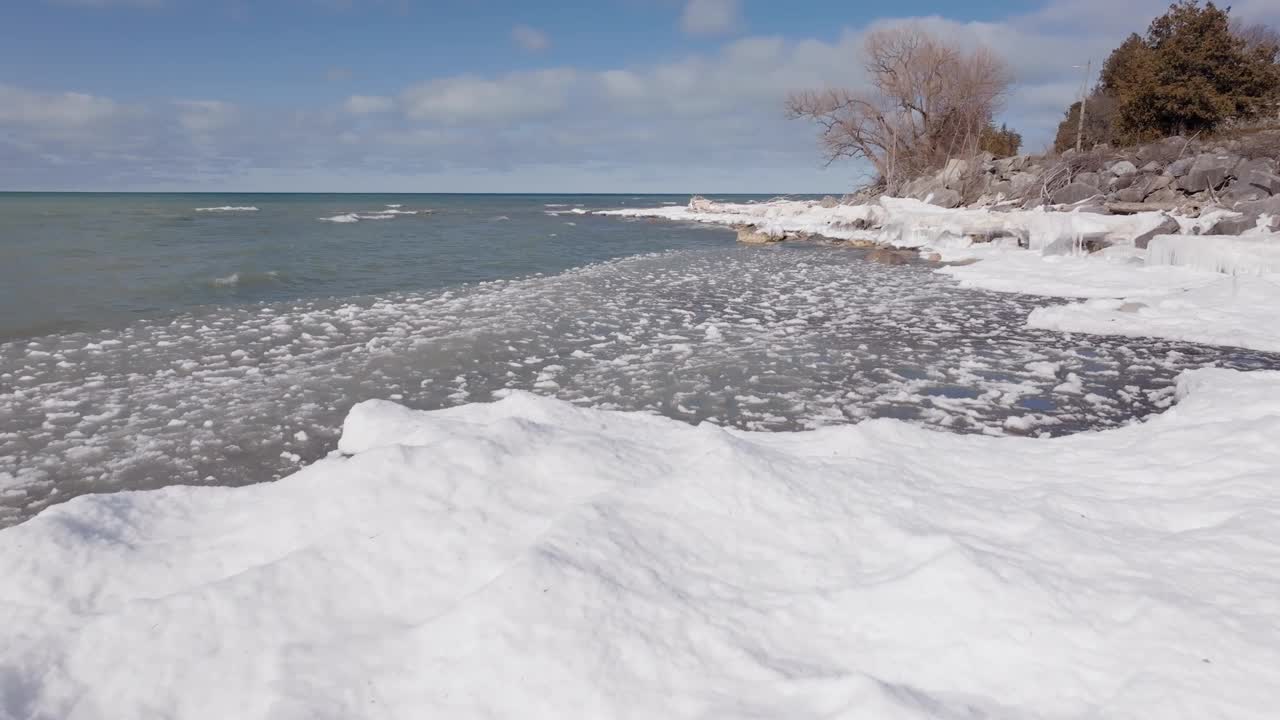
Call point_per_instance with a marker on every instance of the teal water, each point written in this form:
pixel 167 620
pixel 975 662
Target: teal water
pixel 80 261
pixel 145 343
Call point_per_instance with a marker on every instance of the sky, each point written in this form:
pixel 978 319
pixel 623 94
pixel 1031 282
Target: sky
pixel 488 95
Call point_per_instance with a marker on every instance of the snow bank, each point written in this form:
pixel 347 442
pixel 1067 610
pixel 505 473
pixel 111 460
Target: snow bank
pixel 1236 312
pixel 912 223
pixel 1254 254
pixel 532 559
pixel 1180 278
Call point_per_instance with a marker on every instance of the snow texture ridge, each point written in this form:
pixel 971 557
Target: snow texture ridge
pixel 528 558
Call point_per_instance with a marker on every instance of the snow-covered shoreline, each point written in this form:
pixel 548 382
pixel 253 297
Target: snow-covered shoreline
pixel 532 559
pixel 535 559
pixel 1175 290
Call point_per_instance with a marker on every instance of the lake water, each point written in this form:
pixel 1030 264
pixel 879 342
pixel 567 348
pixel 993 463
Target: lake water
pixel 144 342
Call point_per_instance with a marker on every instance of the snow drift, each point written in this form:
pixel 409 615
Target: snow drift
pixel 529 558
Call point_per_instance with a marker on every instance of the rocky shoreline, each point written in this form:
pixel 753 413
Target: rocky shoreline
pixel 1229 188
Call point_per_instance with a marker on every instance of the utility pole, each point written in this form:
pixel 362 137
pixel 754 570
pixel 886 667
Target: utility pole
pixel 1084 98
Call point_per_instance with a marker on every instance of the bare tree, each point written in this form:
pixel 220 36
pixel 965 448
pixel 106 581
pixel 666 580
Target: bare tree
pixel 1258 38
pixel 928 101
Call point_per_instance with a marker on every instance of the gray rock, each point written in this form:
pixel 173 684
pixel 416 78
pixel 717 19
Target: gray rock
pixel 749 235
pixel 1074 193
pixel 1023 182
pixel 1181 167
pixel 1268 182
pixel 1004 187
pixel 1168 226
pixel 1089 178
pixel 1208 172
pixel 829 202
pixel 1131 194
pixel 952 176
pixel 1094 209
pixel 1132 307
pixel 1012 164
pixel 945 197
pixel 1234 225
pixel 1163 195
pixel 1122 168
pixel 1152 167
pixel 1266 165
pixel 885 256
pixel 1121 182
pixel 1266 206
pixel 1241 193
pixel 1157 182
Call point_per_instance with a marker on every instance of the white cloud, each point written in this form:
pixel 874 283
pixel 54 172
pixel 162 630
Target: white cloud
pixel 62 110
pixel 531 39
pixel 710 17
pixel 368 104
pixel 201 117
pixel 514 96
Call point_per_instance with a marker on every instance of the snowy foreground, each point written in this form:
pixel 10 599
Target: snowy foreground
pixel 1206 289
pixel 531 559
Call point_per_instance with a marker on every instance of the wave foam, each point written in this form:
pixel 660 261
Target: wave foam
pixel 228 208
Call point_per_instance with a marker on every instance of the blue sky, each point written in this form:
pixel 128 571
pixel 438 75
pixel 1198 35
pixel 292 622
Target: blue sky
pixel 410 95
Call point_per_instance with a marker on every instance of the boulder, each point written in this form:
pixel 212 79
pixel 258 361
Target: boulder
pixel 1023 182
pixel 1241 223
pixel 945 197
pixel 1123 168
pixel 1268 182
pixel 1089 178
pixel 1120 182
pixel 1002 188
pixel 1163 195
pixel 1131 307
pixel 1241 193
pixel 1131 195
pixel 749 235
pixel 829 202
pixel 1013 164
pixel 885 256
pixel 952 176
pixel 1208 172
pixel 1266 165
pixel 1168 226
pixel 1156 182
pixel 1267 206
pixel 1178 168
pixel 1157 152
pixel 1152 167
pixel 1074 193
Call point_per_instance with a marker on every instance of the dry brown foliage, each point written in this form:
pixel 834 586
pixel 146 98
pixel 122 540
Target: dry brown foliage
pixel 928 101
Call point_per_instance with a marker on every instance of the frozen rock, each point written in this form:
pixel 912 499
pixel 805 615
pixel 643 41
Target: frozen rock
pixel 1167 226
pixel 750 235
pixel 944 197
pixel 1235 225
